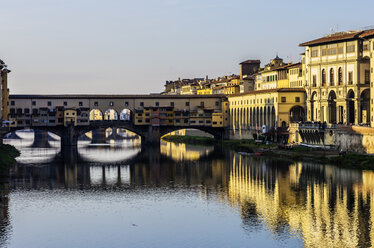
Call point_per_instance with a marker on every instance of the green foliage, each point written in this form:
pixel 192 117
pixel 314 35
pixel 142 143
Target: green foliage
pixel 8 154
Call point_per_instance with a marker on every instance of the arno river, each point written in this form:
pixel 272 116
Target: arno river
pixel 180 196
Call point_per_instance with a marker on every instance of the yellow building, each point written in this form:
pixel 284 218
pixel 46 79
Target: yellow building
pixel 70 117
pixel 273 108
pixel 206 91
pixel 277 74
pixel 339 78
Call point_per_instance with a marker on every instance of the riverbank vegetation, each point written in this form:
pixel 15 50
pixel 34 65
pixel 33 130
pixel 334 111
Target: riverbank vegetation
pixel 8 156
pixel 295 153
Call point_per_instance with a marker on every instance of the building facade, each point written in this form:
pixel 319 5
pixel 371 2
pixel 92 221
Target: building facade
pixel 339 78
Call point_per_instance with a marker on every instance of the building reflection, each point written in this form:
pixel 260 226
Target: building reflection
pixel 5 227
pixel 325 205
pixel 328 206
pixel 183 152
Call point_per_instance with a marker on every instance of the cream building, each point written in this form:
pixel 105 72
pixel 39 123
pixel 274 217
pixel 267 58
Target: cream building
pixel 339 78
pixel 273 108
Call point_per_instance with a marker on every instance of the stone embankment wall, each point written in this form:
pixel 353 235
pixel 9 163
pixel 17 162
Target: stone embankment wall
pixel 355 139
pixel 346 138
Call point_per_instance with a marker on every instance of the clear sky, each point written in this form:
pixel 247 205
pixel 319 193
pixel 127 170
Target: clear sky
pixel 121 46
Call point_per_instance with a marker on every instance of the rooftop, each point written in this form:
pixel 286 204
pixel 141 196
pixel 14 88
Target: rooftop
pixel 340 36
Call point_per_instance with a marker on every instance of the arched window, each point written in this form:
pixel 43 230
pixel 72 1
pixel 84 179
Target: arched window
pixel 331 77
pixel 340 76
pixel 323 77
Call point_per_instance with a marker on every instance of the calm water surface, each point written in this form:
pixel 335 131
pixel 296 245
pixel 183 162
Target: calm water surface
pixel 178 195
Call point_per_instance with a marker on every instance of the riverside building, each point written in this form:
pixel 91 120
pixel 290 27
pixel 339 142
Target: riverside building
pixel 339 78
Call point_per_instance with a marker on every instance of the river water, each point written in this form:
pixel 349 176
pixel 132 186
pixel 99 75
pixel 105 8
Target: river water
pixel 179 195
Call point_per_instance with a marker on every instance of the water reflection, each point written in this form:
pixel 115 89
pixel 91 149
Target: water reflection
pixel 316 205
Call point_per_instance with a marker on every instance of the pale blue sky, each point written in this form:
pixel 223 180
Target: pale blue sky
pixel 120 46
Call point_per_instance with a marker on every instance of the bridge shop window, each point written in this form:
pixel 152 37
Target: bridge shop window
pixel 172 104
pixel 126 104
pixel 65 103
pixel 111 103
pixel 12 111
pixel 49 103
pixel 187 104
pixel 81 104
pixel 217 103
pixel 157 104
pixel 12 103
pixel 33 103
pixel 141 104
pixel 26 111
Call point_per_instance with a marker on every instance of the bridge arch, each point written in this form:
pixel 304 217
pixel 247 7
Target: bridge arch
pixel 125 115
pixel 111 115
pixel 96 115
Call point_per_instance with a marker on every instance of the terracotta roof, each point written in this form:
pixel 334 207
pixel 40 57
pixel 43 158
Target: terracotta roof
pixel 339 37
pixel 367 33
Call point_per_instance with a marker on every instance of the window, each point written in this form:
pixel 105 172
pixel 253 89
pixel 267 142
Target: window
pixel 157 104
pixel 351 47
pixel 126 103
pixel 26 111
pixel 367 76
pixel 111 103
pixel 217 103
pixel 350 77
pixel 49 103
pixel 96 103
pixel 331 49
pixel 12 103
pixel 185 121
pixel 80 103
pixel 323 77
pixel 331 77
pixel 141 104
pixel 324 51
pixel 202 104
pixel 314 80
pixel 33 103
pixel 65 103
pixel 340 76
pixel 366 46
pixel 283 99
pixel 314 52
pixel 340 48
pixel 172 104
pixel 297 99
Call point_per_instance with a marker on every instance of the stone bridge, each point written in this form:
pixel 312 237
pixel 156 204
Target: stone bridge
pixel 149 116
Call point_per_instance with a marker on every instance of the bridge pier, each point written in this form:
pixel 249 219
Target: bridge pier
pixel 40 139
pixel 152 136
pixel 99 136
pixel 69 137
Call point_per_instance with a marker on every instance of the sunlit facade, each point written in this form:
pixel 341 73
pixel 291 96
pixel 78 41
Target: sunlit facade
pixel 339 77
